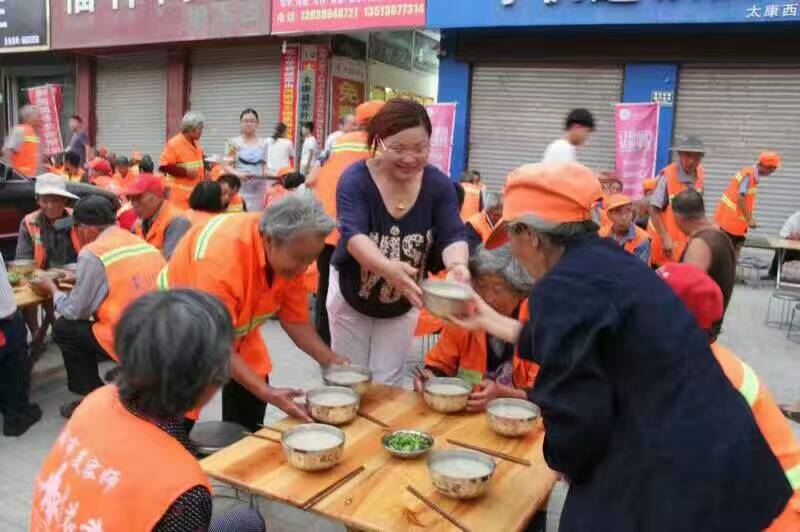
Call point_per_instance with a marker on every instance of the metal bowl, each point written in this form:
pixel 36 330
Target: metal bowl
pixel 408 454
pixel 23 268
pixel 512 426
pixel 316 460
pixel 446 298
pixel 333 415
pixel 340 376
pixel 446 403
pixel 460 486
pixel 71 267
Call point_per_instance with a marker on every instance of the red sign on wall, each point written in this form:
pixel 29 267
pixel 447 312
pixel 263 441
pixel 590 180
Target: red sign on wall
pixel 288 88
pixel 302 16
pixel 106 23
pixel 47 99
pixel 348 86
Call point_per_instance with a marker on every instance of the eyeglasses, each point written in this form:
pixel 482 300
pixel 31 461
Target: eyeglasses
pixel 402 151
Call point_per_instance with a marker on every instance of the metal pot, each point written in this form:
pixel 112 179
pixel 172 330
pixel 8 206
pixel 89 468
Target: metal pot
pixel 459 486
pixel 333 414
pixel 446 403
pixel 340 376
pixel 313 460
pixel 512 426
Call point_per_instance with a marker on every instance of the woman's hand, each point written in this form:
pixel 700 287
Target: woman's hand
pixel 283 398
pixel 482 393
pixel 480 319
pixel 337 360
pixel 459 273
pixel 421 376
pixel 402 277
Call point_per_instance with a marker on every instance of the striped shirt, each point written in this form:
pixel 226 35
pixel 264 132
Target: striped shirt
pixel 7 304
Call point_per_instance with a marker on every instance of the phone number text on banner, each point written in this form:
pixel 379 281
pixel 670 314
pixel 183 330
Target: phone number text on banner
pixel 293 16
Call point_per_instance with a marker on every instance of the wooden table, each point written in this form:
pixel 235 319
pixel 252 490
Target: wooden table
pixel 377 498
pixel 781 246
pixel 25 297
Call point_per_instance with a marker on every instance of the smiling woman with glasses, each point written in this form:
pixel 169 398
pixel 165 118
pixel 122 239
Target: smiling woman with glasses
pixel 398 216
pixel 247 154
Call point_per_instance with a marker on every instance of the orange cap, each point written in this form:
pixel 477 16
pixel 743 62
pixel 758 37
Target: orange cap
pixel 649 184
pixel 616 200
pixel 770 158
pixel 554 192
pixel 367 111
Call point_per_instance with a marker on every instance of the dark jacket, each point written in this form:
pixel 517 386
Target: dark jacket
pixel 637 412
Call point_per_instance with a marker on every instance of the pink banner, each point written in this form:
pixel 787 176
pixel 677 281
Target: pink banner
pixel 637 140
pixel 47 98
pixel 443 117
pixel 302 16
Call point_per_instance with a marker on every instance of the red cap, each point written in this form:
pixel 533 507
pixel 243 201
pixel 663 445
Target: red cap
pixel 98 164
pixel 701 295
pixel 145 183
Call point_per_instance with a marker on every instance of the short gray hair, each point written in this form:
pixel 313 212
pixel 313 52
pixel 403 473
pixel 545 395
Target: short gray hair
pixel 555 233
pixel 191 121
pixel 295 214
pixel 26 111
pixel 501 262
pixel 492 200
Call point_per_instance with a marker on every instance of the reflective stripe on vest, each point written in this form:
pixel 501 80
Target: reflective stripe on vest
pixel 793 476
pixel 205 235
pixel 191 164
pixel 749 387
pixel 256 321
pixel 355 147
pixel 32 138
pixel 162 282
pixel 175 183
pixel 126 252
pixel 732 205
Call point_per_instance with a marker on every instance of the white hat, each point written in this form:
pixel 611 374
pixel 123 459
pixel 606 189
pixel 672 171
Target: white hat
pixel 52 185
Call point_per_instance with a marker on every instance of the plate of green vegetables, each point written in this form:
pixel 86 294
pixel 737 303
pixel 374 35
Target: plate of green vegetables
pixel 407 443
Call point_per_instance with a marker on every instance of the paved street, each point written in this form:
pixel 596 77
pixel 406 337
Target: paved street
pixel 774 358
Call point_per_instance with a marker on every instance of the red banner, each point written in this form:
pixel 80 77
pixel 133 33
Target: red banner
pixel 443 118
pixel 348 83
pixel 637 142
pixel 302 16
pixel 47 99
pixel 321 94
pixel 288 103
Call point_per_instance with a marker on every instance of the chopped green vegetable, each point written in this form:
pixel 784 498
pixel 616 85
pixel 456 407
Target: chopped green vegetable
pixel 407 442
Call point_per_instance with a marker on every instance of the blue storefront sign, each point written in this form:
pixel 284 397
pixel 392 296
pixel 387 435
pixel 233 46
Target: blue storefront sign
pixel 543 13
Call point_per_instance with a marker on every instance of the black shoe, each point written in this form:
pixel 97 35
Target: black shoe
pixel 18 424
pixel 67 409
pixel 112 374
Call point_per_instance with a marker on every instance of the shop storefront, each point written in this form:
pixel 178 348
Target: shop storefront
pixel 725 71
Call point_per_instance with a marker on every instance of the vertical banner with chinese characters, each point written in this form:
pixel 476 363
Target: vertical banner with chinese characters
pixel 47 99
pixel 307 89
pixel 321 94
pixel 637 142
pixel 443 118
pixel 288 102
pixel 348 86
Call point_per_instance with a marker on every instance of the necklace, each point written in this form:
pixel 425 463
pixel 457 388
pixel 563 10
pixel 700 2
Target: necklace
pixel 401 205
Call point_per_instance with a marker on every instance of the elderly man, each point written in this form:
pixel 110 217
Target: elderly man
pixel 48 237
pixel 114 268
pixel 160 223
pixel 22 147
pixel 255 264
pixel 735 210
pixel 480 225
pixel 621 229
pixel 667 240
pixel 182 160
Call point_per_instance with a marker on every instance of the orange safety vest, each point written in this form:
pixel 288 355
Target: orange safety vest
pixel 186 154
pixel 29 154
pixel 236 204
pixel 728 216
pixel 39 251
pixel 158 228
pixel 124 182
pixel 275 193
pixel 480 222
pixel 472 200
pixel 773 426
pixel 640 236
pixel 96 476
pixel 674 187
pixel 131 266
pixel 198 217
pixel 203 261
pixel 347 150
pixel 463 354
pixel 77 177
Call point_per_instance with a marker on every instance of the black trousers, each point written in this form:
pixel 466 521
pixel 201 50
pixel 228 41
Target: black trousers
pixel 242 407
pixel 81 351
pixel 320 311
pixel 788 255
pixel 15 367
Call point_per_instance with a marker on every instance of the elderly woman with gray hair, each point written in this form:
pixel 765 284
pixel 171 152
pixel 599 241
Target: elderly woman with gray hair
pixel 182 160
pixel 255 265
pixel 638 414
pixel 488 362
pixel 128 439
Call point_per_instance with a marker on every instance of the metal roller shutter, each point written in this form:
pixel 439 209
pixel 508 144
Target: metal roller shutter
pixel 132 103
pixel 225 81
pixel 738 111
pixel 517 110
